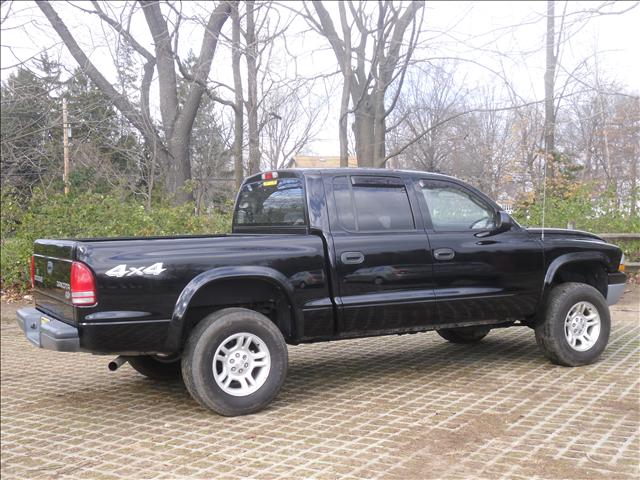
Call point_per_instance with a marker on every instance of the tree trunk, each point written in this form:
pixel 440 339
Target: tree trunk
pixel 634 180
pixel 180 165
pixel 635 155
pixel 363 128
pixel 379 126
pixel 347 73
pixel 379 90
pixel 344 120
pixel 239 101
pixel 252 91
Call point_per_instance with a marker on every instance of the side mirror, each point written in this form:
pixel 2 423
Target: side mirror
pixel 503 222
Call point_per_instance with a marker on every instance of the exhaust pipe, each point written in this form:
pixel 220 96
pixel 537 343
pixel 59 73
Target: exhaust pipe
pixel 117 363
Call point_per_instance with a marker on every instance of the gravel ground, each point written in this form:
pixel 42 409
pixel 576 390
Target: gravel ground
pixel 396 407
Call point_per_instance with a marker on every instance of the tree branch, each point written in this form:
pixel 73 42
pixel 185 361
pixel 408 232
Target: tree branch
pixel 203 65
pixel 119 100
pixel 164 59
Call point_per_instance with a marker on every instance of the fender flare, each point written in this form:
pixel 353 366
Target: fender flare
pixel 573 257
pixel 176 326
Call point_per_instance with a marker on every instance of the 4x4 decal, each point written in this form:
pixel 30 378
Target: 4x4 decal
pixel 123 271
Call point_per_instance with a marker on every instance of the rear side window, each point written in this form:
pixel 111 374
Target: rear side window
pixel 271 203
pixel 372 205
pixel 344 203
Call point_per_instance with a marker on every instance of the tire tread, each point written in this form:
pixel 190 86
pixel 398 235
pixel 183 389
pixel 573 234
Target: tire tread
pixel 550 343
pixel 219 321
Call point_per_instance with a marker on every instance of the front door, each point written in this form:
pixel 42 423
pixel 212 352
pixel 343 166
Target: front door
pixel 478 275
pixel 383 261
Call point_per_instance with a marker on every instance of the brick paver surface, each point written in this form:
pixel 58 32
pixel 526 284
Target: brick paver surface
pixel 398 407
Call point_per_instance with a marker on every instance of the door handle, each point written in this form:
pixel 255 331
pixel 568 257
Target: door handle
pixel 444 253
pixel 352 258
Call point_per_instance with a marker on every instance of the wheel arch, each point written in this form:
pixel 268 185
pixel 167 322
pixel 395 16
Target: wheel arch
pixel 217 288
pixel 582 267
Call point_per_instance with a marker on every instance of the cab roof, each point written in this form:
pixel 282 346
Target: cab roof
pixel 355 171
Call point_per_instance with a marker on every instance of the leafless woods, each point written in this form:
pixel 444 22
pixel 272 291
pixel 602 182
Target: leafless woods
pixel 187 98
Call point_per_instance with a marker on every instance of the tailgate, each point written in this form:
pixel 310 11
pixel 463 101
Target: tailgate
pixel 52 292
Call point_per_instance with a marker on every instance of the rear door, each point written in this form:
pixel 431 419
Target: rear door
pixel 384 277
pixel 478 275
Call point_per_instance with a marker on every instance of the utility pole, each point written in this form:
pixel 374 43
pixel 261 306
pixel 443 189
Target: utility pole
pixel 549 87
pixel 65 144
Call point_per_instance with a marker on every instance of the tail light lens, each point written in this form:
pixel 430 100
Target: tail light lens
pixel 83 285
pixel 33 271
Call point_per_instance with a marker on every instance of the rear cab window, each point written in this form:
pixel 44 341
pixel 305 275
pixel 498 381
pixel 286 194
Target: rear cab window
pixel 372 204
pixel 271 203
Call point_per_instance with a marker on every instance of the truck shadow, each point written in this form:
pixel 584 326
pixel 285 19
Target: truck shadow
pixel 360 366
pixel 337 364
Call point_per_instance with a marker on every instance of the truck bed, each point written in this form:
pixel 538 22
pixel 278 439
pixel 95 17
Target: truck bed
pixel 139 280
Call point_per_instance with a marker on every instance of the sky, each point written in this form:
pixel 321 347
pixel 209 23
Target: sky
pixel 484 36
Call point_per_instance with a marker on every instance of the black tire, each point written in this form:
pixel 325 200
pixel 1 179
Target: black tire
pixel 464 334
pixel 550 333
pixel 200 349
pixel 156 368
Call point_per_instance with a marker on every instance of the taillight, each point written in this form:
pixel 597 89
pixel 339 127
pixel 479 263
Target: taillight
pixel 33 271
pixel 83 285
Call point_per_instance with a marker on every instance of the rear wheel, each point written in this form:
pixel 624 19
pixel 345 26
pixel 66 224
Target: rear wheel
pixel 464 334
pixel 235 362
pixel 576 326
pixel 157 367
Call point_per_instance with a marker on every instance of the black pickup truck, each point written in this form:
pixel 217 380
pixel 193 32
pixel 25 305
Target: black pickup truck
pixel 321 255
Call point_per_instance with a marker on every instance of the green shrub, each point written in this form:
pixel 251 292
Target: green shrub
pixel 89 215
pixel 631 249
pixel 577 207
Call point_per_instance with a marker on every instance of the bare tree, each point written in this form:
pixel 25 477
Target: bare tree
pixel 379 47
pixel 422 120
pixel 171 144
pixel 238 105
pixel 252 89
pixel 291 118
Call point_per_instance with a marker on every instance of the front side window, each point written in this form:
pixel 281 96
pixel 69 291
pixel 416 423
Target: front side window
pixel 278 202
pixel 454 209
pixel 372 205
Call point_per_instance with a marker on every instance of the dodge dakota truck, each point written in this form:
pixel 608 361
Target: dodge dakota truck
pixel 317 255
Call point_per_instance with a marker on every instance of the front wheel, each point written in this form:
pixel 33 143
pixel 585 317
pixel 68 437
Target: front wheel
pixel 576 326
pixel 235 362
pixel 464 334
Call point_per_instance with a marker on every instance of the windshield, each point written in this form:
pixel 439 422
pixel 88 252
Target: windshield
pixel 277 202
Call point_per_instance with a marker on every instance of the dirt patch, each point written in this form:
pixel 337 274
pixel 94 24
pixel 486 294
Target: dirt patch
pixel 8 311
pixel 434 454
pixel 545 466
pixel 630 299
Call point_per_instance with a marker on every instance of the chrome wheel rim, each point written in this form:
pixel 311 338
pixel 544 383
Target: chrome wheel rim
pixel 582 326
pixel 241 364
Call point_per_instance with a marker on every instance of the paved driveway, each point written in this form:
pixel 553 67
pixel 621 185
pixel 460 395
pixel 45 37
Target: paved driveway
pixel 400 407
